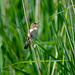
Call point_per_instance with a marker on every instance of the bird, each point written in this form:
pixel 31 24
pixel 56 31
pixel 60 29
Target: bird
pixel 33 34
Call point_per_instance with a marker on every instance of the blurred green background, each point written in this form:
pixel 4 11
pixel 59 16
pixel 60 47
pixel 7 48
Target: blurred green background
pixel 55 41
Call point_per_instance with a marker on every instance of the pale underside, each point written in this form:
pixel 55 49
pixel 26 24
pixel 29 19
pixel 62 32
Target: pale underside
pixel 33 33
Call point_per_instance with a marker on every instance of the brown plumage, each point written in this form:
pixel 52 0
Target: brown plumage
pixel 33 25
pixel 26 43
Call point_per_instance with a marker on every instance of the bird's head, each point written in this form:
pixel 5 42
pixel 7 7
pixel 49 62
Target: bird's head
pixel 33 25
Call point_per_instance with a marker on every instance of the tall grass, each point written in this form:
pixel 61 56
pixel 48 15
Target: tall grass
pixel 55 43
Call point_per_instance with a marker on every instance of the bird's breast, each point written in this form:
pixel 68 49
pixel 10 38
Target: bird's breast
pixel 33 33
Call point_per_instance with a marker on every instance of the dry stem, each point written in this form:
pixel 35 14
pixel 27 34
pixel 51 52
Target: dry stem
pixel 30 36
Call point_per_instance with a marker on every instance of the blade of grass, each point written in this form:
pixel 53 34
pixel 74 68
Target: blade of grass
pixel 50 55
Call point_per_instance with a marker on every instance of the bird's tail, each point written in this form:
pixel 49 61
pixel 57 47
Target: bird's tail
pixel 26 46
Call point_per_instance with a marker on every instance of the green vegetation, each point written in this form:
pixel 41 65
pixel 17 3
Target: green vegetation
pixel 55 43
